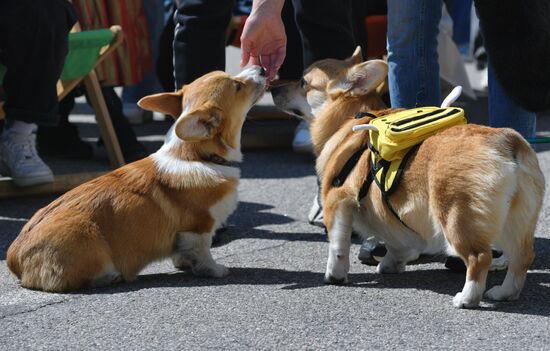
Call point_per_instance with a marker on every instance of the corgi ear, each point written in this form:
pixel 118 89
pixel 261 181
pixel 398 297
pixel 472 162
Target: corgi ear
pixel 360 79
pixel 357 56
pixel 199 124
pixel 167 103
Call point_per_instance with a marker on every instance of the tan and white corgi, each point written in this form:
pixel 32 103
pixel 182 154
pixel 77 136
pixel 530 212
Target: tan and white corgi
pixel 463 190
pixel 167 204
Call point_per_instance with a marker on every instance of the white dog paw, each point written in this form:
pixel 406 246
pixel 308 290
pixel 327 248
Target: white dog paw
pixel 181 263
pixel 332 280
pixel 462 301
pixel 213 271
pixel 499 293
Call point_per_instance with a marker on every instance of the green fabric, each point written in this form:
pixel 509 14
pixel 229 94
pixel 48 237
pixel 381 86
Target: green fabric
pixel 83 52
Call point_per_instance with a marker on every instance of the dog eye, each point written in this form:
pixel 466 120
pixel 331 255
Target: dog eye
pixel 303 83
pixel 238 86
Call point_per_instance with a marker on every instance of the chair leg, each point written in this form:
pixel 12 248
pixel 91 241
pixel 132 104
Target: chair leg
pixel 104 120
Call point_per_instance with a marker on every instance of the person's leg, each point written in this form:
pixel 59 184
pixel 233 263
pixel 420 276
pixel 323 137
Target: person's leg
pixel 63 140
pixel 199 40
pixel 326 31
pixel 131 148
pixel 165 61
pixel 326 28
pixel 34 55
pixel 412 52
pixel 504 112
pixel 293 67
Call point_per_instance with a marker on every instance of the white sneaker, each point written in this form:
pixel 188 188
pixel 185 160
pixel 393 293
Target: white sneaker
pixel 302 139
pixel 20 160
pixel 135 114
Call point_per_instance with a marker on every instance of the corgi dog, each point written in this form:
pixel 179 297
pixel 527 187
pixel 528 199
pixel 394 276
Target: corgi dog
pixel 464 189
pixel 166 205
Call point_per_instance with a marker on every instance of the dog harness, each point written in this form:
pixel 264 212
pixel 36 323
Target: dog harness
pixel 393 139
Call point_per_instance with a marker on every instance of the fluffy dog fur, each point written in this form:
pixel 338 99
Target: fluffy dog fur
pixel 167 204
pixel 465 189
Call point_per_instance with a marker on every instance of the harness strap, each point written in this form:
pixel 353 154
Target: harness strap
pixel 371 177
pixel 348 167
pixel 360 115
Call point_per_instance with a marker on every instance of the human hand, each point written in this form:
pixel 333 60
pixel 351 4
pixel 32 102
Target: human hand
pixel 263 41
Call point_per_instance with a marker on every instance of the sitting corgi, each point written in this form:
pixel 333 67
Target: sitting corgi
pixel 464 189
pixel 167 204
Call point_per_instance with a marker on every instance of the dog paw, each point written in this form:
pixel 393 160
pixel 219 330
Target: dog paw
pixel 213 271
pixel 462 301
pixel 499 293
pixel 385 268
pixel 181 263
pixel 331 280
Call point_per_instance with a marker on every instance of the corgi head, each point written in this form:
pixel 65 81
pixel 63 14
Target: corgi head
pixel 209 113
pixel 333 90
pixel 328 80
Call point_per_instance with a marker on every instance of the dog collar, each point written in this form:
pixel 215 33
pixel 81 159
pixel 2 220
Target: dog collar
pixel 217 159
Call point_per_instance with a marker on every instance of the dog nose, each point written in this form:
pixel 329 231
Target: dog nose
pixel 262 72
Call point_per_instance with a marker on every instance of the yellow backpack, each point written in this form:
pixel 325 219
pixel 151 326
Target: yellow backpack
pixel 397 135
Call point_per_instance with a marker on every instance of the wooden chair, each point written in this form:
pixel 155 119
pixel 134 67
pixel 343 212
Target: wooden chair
pixel 87 49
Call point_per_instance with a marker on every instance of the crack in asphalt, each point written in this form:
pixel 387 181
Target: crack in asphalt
pixel 35 309
pixel 255 250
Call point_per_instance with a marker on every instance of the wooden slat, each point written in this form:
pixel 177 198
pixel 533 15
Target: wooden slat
pixel 104 120
pixel 61 184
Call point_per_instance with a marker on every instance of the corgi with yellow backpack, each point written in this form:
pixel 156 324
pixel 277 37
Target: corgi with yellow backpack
pixel 394 137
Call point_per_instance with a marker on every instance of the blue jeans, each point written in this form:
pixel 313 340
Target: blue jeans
pixel 414 71
pixel 504 112
pixel 413 26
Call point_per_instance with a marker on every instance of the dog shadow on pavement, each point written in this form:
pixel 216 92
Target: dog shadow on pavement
pixel 249 218
pixel 533 300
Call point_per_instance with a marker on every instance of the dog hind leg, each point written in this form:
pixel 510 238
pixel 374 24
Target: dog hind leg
pixel 471 240
pixel 516 239
pixel 520 253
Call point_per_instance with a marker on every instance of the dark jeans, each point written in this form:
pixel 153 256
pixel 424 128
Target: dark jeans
pixel 325 29
pixel 33 46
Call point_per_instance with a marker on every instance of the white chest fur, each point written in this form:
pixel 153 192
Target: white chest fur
pixel 222 209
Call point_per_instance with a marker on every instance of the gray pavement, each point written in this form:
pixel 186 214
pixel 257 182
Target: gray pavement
pixel 274 297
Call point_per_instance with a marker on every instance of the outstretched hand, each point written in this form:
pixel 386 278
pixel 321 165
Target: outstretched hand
pixel 263 41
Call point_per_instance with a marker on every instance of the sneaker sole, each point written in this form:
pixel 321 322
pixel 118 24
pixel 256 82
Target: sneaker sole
pixel 29 181
pixel 26 181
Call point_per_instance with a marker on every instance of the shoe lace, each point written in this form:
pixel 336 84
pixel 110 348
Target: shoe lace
pixel 25 147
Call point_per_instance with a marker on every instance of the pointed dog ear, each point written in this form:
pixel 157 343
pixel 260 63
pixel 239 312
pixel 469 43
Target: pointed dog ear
pixel 361 79
pixel 357 56
pixel 199 124
pixel 167 103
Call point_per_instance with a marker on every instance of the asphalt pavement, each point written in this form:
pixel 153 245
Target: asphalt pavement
pixel 274 297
